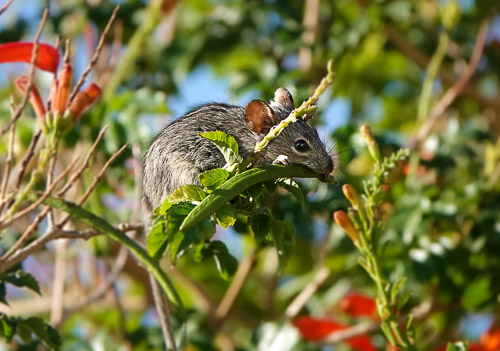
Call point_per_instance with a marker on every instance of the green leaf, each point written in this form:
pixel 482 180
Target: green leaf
pixel 22 279
pixel 293 188
pixel 188 193
pixel 226 216
pixel 24 327
pixel 213 178
pixel 261 226
pixel 476 293
pixel 8 327
pixel 156 241
pixel 283 237
pixel 47 335
pixel 225 143
pixel 458 346
pixel 396 287
pixel 3 292
pixel 225 262
pixel 165 206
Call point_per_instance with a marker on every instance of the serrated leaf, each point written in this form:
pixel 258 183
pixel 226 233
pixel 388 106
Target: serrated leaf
pixel 226 264
pixel 293 188
pixel 225 143
pixel 188 192
pixel 47 335
pixel 23 279
pixel 261 226
pixel 226 216
pixel 283 237
pixel 213 178
pixel 156 241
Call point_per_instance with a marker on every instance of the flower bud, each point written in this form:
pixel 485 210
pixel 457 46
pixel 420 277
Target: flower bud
pixel 351 194
pixel 344 222
pixel 367 134
pixel 34 98
pixel 62 93
pixel 83 100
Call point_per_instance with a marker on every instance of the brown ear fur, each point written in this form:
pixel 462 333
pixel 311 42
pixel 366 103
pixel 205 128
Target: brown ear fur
pixel 259 116
pixel 283 97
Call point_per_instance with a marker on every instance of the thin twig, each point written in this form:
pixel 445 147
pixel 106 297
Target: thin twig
pixel 162 308
pixel 97 52
pixel 350 332
pixel 118 266
pixel 52 234
pixel 25 235
pixel 6 6
pixel 85 164
pixel 30 152
pixel 234 289
pixel 10 158
pixel 45 195
pixel 97 179
pixel 447 99
pixel 31 73
pixel 301 299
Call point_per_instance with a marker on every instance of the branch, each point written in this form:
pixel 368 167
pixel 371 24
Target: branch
pixel 440 107
pixel 97 52
pixel 6 6
pixel 101 225
pixel 301 299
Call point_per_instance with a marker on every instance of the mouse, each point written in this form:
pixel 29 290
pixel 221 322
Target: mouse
pixel 178 154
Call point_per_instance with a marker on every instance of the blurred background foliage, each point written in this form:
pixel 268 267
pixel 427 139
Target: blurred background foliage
pixel 163 58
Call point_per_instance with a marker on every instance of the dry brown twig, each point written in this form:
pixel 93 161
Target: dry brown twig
pixel 96 180
pixel 94 58
pixel 447 99
pixel 44 196
pixel 5 6
pixel 85 164
pixel 10 159
pixel 31 73
pixel 301 299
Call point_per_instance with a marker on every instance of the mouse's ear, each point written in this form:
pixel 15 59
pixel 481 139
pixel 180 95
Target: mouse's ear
pixel 283 97
pixel 259 116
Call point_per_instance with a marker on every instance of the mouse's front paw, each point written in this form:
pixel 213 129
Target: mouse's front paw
pixel 281 160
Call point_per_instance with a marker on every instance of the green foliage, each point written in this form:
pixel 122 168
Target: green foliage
pixel 26 327
pixel 20 279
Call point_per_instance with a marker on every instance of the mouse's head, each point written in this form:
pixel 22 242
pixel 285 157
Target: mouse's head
pixel 299 142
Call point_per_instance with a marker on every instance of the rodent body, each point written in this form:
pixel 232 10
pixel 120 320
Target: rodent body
pixel 179 154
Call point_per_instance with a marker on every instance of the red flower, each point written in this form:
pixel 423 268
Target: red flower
pixel 47 56
pixel 83 100
pixel 357 305
pixel 34 98
pixel 314 329
pixel 491 339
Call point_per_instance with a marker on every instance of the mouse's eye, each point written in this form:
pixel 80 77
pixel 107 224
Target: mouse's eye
pixel 301 145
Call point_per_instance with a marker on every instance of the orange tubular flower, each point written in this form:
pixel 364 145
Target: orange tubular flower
pixel 83 100
pixel 351 194
pixel 61 97
pixel 344 222
pixel 34 98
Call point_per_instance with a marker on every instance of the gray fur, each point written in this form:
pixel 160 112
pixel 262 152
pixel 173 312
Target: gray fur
pixel 178 154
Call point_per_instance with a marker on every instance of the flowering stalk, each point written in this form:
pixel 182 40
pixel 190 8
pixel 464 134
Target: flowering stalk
pixel 360 225
pixel 56 120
